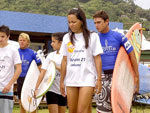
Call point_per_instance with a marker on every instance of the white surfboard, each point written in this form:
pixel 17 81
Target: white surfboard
pixel 27 94
pixel 47 80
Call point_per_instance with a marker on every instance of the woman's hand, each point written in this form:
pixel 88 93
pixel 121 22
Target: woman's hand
pixel 62 89
pixel 35 93
pixel 98 86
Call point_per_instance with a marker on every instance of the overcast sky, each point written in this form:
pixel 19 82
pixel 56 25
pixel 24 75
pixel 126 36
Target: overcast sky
pixel 145 4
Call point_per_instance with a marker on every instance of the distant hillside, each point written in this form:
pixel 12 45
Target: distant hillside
pixel 119 10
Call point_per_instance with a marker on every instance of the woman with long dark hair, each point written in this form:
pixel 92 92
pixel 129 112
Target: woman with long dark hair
pixel 81 64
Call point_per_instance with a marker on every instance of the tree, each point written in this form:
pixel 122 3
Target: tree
pixel 83 1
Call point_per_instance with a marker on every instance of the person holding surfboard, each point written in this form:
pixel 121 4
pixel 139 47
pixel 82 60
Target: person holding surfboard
pixel 10 69
pixel 81 64
pixel 56 102
pixel 27 55
pixel 111 42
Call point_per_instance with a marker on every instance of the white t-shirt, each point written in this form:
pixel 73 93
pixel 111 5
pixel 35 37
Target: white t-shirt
pixel 9 56
pixel 53 56
pixel 81 70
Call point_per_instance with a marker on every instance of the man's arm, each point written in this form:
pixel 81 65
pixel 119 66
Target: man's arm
pixel 135 67
pixel 14 78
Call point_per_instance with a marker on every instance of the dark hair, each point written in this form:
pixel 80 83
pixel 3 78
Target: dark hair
pixel 101 14
pixel 59 35
pixel 5 29
pixel 81 16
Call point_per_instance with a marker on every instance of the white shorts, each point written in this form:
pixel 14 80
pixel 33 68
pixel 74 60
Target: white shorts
pixel 6 105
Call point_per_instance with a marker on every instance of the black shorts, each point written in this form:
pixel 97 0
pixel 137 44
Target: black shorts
pixel 53 98
pixel 20 82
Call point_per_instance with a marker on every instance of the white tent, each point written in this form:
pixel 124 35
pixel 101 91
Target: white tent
pixel 14 43
pixel 145 43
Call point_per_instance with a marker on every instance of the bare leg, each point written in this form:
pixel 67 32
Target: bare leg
pixel 53 108
pixel 61 109
pixel 89 110
pixel 85 98
pixel 22 110
pixel 34 111
pixel 72 96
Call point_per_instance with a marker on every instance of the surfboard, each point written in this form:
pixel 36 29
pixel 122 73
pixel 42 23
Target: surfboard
pixel 123 84
pixel 27 94
pixel 47 80
pixel 28 101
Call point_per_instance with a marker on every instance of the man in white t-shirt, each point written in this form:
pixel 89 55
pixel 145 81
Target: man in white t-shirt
pixel 10 69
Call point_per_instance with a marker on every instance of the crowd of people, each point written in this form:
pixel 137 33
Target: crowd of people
pixel 84 64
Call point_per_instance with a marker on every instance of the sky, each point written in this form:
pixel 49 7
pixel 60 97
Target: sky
pixel 145 4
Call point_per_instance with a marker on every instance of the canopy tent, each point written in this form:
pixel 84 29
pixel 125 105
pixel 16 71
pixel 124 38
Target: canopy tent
pixel 145 43
pixel 14 43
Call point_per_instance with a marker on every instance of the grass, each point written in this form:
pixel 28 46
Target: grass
pixel 45 110
pixel 135 109
pixel 141 109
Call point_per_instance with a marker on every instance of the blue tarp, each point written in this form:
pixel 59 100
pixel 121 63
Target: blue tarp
pixel 144 72
pixel 144 96
pixel 19 21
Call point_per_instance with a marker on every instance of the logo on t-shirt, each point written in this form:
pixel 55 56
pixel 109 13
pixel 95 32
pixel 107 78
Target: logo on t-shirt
pixel 4 58
pixel 123 37
pixel 127 45
pixel 108 48
pixel 24 61
pixel 70 47
pixel 2 67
